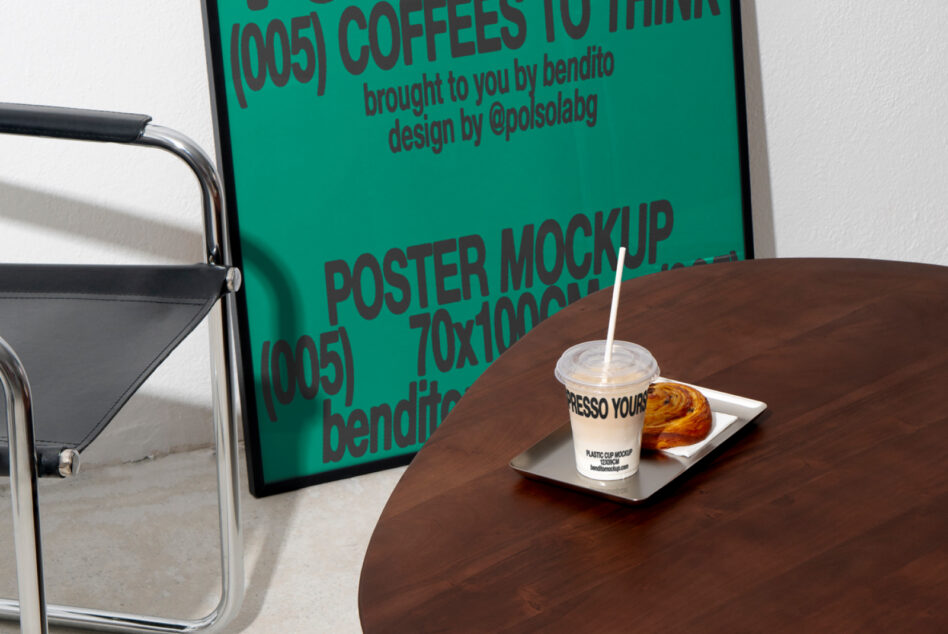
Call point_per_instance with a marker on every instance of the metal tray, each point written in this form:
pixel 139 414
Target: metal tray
pixel 551 460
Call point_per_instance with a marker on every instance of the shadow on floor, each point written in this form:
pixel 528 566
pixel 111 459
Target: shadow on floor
pixel 143 538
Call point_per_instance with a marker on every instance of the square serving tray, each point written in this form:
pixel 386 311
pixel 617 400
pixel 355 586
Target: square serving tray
pixel 551 460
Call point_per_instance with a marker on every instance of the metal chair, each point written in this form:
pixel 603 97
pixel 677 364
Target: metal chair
pixel 77 341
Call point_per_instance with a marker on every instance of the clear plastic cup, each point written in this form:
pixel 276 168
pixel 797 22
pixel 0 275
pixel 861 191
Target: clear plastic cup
pixel 607 405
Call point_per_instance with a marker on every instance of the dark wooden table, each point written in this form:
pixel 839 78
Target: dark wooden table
pixel 830 514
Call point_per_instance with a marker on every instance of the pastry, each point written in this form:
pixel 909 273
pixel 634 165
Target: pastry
pixel 676 415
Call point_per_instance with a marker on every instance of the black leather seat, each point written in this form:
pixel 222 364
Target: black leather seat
pixel 89 336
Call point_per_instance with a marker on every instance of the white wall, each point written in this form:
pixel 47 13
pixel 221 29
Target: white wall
pixel 847 100
pixel 855 100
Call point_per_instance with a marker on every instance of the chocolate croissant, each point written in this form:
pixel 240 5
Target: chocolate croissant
pixel 676 415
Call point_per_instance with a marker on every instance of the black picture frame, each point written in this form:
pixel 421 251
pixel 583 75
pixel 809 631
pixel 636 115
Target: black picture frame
pixel 259 486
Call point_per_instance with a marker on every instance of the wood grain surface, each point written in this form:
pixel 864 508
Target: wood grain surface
pixel 829 514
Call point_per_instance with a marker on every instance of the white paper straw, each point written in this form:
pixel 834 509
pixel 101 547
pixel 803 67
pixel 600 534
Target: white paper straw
pixel 615 305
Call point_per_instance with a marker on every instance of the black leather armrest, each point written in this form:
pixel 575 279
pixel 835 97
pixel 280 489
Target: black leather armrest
pixel 71 123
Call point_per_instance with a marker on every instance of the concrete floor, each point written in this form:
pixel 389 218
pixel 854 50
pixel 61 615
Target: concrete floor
pixel 142 538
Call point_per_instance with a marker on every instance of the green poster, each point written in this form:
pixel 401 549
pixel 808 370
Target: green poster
pixel 413 185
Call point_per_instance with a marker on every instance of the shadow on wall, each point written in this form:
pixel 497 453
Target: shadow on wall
pixel 153 425
pixel 761 192
pixel 74 218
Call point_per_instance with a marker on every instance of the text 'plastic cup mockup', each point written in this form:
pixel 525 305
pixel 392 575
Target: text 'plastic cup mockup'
pixel 607 405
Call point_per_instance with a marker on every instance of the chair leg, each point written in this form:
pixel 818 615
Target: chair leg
pixel 23 492
pixel 226 406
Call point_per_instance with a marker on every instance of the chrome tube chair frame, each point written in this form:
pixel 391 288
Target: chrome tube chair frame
pixel 31 609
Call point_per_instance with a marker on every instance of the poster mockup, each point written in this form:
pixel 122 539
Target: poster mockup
pixel 413 185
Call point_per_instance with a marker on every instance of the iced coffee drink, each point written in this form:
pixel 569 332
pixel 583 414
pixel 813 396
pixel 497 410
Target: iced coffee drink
pixel 606 403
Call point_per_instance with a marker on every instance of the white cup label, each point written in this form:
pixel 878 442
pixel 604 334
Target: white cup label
pixel 607 432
